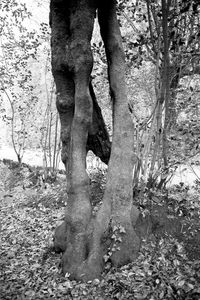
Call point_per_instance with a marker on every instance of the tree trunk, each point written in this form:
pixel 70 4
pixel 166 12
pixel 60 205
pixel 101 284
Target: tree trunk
pixel 117 214
pixel 88 242
pixel 98 138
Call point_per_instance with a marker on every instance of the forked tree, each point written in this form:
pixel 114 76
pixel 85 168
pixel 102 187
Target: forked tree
pixel 86 240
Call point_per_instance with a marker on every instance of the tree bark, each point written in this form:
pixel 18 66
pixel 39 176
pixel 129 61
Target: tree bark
pixel 87 241
pixel 98 138
pixel 117 210
pixel 72 25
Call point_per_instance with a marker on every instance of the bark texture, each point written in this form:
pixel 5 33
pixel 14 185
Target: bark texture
pixel 117 214
pixel 87 241
pixel 62 69
pixel 72 62
pixel 98 138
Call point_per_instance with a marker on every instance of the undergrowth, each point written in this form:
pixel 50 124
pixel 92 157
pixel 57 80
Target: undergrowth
pixel 29 268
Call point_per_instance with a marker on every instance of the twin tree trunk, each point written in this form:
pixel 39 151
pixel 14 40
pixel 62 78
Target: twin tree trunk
pixel 87 241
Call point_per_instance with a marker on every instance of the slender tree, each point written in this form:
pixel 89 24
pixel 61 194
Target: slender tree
pixel 169 39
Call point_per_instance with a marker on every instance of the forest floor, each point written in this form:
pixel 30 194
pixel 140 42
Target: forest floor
pixel 168 266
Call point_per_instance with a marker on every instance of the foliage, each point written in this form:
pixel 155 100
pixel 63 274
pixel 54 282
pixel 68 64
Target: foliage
pixel 99 77
pixel 30 269
pixel 26 92
pixel 164 34
pixel 161 271
pixel 22 51
pixel 185 137
pixel 17 49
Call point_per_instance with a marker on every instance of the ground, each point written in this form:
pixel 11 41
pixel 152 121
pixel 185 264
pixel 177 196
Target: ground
pixel 168 266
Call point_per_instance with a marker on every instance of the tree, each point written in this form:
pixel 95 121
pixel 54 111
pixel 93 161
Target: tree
pixel 87 241
pixel 24 51
pixel 168 37
pixel 18 46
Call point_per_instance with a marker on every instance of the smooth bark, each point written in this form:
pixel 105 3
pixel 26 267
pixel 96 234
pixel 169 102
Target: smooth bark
pixel 98 137
pixel 117 209
pixel 72 61
pixel 86 240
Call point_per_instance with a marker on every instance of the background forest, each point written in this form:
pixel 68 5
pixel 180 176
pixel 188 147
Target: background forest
pixel 27 84
pixel 163 79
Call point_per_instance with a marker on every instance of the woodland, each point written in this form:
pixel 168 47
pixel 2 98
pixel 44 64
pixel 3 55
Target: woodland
pixel 106 93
